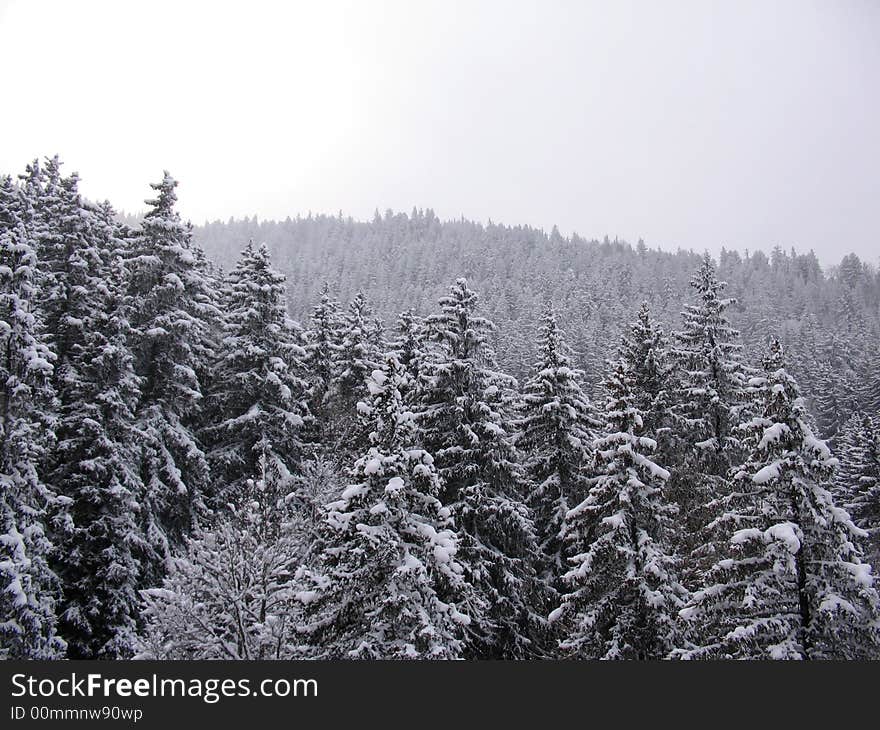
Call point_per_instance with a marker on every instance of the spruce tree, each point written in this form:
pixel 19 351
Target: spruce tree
pixel 360 354
pixel 857 481
pixel 28 506
pixel 836 396
pixel 410 347
pixel 90 466
pixel 93 465
pixel 556 431
pixel 465 411
pixel 623 595
pixel 713 378
pixel 323 347
pixel 387 584
pixel 791 583
pixel 259 398
pixel 171 305
pixel 60 228
pixel 646 353
pixel 708 407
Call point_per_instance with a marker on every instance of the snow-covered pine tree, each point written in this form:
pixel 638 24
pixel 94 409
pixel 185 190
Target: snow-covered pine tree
pixel 28 586
pixel 713 377
pixel 645 351
pixel 623 597
pixel 708 407
pixel 465 412
pixel 361 353
pixel 857 481
pixel 323 349
pixel 60 229
pixel 207 347
pixel 410 348
pixel 230 594
pixel 791 584
pixel 870 389
pixel 849 450
pixel 259 398
pixel 96 393
pixel 387 584
pixel 556 427
pixel 837 393
pixel 94 463
pixel 171 305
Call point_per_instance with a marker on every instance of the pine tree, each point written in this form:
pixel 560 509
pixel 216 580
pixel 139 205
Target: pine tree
pixel 707 410
pixel 93 464
pixel 360 354
pixel 465 407
pixel 259 398
pixel 646 353
pixel 791 584
pixel 96 391
pixel 870 390
pixel 410 348
pixel 323 347
pixel 171 305
pixel 60 227
pixel 857 481
pixel 623 595
pixel 556 428
pixel 711 398
pixel 387 579
pixel 836 397
pixel 28 506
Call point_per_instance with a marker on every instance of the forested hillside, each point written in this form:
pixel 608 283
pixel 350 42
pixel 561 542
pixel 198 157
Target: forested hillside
pixel 423 440
pixel 829 320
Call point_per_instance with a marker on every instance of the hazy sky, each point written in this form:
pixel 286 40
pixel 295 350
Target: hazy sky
pixel 686 123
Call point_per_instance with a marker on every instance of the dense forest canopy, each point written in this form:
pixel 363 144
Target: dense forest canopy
pixel 410 438
pixel 828 320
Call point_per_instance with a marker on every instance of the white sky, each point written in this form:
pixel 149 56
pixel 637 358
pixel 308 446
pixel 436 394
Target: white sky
pixel 686 123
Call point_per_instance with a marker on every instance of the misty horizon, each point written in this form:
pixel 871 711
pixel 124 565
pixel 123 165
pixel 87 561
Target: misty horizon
pixel 689 125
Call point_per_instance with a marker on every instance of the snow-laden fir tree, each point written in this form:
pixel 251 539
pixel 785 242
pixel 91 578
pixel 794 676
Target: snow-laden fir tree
pixel 556 429
pixel 323 349
pixel 230 594
pixel 870 390
pixel 410 346
pixel 623 595
pixel 466 415
pixel 387 584
pixel 94 465
pixel 713 378
pixel 857 481
pixel 836 392
pixel 646 352
pixel 791 584
pixel 360 354
pixel 28 506
pixel 60 228
pixel 708 407
pixel 172 306
pixel 259 398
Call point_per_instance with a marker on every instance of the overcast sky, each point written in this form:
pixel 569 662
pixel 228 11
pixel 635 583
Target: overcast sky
pixel 690 124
